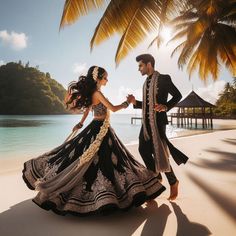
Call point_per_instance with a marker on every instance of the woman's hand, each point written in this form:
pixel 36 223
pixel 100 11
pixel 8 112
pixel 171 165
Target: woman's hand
pixel 131 98
pixel 78 126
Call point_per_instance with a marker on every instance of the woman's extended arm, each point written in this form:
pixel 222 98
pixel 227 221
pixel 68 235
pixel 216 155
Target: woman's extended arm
pixel 86 112
pixel 99 96
pixel 80 124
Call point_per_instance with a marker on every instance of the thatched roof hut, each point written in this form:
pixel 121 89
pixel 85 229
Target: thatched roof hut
pixel 193 100
pixel 193 107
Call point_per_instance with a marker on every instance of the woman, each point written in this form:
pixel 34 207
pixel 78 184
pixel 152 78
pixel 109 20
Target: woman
pixel 92 172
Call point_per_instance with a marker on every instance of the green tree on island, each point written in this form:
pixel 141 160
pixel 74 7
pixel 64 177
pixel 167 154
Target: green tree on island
pixel 25 90
pixel 226 103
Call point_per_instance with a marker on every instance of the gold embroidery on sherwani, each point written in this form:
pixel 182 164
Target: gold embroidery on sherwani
pixel 161 152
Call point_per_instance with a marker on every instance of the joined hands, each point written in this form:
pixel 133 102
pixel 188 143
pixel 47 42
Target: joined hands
pixel 157 107
pixel 131 98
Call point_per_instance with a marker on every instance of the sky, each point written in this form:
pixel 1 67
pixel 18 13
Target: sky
pixel 29 31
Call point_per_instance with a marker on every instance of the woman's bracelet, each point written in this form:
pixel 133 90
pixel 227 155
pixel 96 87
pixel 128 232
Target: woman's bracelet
pixel 80 125
pixel 125 104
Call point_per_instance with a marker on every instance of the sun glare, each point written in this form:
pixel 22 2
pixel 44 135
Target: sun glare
pixel 166 34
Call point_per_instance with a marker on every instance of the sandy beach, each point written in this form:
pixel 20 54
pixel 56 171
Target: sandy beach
pixel 206 204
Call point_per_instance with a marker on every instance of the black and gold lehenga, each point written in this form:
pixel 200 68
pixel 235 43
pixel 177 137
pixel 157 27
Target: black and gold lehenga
pixel 91 173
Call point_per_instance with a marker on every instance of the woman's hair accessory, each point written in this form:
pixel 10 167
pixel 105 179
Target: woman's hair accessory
pixel 95 73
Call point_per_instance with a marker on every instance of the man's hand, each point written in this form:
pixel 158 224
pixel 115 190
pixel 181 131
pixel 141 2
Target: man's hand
pixel 160 107
pixel 131 99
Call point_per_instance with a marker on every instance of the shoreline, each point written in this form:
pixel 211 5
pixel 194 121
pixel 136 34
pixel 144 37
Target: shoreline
pixel 9 165
pixel 187 133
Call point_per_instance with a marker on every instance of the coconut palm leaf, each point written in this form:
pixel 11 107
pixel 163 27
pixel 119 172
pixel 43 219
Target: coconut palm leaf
pixel 193 62
pixel 142 20
pixel 207 27
pixel 121 15
pixel 73 9
pixel 113 21
pixel 186 16
pixel 179 47
pixel 179 35
pixel 228 14
pixel 227 46
pixel 134 20
pixel 158 39
pixel 207 38
pixel 168 9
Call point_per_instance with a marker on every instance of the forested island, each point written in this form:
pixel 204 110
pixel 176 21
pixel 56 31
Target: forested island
pixel 25 90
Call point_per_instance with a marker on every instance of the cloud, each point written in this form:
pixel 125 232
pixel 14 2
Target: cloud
pixel 2 62
pixel 80 68
pixel 211 92
pixel 16 41
pixel 124 91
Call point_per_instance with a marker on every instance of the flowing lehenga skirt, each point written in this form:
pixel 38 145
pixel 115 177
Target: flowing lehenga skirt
pixel 111 179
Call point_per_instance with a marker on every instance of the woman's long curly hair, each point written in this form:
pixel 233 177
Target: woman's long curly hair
pixel 79 94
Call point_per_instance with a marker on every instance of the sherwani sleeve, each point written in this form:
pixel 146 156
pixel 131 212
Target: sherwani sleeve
pixel 175 93
pixel 138 105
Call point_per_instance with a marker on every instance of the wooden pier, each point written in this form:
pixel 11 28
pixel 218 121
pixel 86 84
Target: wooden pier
pixel 191 120
pixel 133 119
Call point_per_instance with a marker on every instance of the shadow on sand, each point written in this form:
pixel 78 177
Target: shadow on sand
pixel 185 227
pixel 226 161
pixel 228 205
pixel 230 141
pixel 26 219
pixel 156 219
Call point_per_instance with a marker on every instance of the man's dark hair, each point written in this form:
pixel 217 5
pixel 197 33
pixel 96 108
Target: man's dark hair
pixel 145 58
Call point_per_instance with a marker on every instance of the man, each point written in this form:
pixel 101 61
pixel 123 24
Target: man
pixel 154 146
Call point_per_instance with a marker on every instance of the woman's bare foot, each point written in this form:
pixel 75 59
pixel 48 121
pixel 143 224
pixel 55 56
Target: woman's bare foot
pixel 174 191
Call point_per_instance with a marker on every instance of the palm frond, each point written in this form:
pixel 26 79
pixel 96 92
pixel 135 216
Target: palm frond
pixel 227 48
pixel 230 18
pixel 193 62
pixel 134 20
pixel 181 26
pixel 185 17
pixel 196 30
pixel 173 7
pixel 179 47
pixel 73 9
pixel 114 20
pixel 144 20
pixel 185 54
pixel 206 38
pixel 166 8
pixel 158 40
pixel 179 35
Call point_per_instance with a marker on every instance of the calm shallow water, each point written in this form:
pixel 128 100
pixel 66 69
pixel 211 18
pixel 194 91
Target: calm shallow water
pixel 30 136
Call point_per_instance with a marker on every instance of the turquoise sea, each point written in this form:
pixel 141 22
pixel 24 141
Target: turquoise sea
pixel 30 136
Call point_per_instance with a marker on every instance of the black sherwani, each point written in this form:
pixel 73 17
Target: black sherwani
pixel 165 87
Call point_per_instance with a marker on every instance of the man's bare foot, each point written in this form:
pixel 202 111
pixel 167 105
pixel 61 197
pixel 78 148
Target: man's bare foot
pixel 174 191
